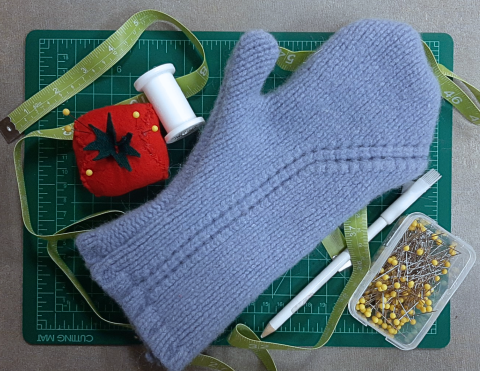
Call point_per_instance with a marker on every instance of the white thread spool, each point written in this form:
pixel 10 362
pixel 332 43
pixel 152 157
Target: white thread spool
pixel 171 106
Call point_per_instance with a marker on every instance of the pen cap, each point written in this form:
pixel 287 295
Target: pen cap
pixel 410 195
pixel 169 102
pixel 450 274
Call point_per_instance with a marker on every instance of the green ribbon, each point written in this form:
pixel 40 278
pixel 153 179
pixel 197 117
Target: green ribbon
pixel 453 93
pixel 334 243
pixel 64 233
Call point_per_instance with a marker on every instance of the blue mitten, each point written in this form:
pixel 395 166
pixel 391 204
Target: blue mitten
pixel 270 177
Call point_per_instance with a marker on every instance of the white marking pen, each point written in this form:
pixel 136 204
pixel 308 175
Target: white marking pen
pixel 342 261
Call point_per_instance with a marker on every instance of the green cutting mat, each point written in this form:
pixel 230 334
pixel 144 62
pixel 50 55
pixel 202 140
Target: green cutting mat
pixel 54 313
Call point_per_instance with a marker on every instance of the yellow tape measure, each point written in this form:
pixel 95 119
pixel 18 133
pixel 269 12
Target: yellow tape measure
pixel 452 93
pixel 95 65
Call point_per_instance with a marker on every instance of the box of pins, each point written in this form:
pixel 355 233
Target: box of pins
pixel 414 274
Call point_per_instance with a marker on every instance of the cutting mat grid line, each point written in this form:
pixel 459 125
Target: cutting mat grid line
pixel 55 312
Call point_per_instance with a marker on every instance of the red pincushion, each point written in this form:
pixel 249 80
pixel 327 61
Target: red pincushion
pixel 109 178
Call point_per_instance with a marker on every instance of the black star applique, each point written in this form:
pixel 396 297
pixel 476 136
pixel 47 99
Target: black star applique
pixel 106 144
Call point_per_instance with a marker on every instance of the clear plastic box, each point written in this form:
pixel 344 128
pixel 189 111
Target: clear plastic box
pixel 409 336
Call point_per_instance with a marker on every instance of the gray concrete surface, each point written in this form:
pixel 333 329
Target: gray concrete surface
pixel 458 18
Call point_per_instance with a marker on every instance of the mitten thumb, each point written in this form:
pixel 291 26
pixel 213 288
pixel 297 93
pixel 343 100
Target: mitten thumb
pixel 251 62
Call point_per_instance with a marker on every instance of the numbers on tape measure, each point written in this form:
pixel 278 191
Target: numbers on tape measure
pixel 454 100
pixel 358 264
pixel 112 50
pixel 203 71
pixel 258 346
pixel 290 59
pixel 57 91
pixel 217 366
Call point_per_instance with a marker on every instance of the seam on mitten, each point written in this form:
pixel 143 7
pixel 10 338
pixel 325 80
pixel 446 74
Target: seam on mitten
pixel 149 232
pixel 113 266
pixel 337 157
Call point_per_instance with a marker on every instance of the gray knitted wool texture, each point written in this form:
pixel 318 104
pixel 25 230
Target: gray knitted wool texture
pixel 271 176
